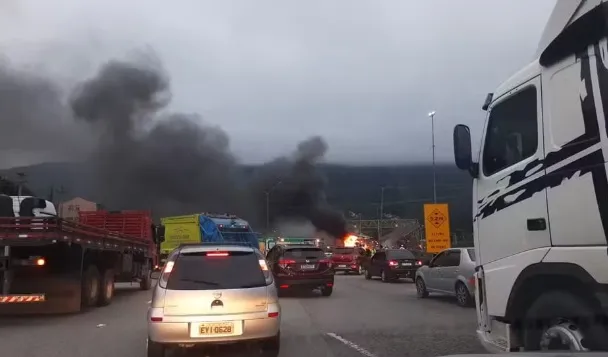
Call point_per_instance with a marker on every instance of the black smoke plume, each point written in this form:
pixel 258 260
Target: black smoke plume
pixel 171 163
pixel 147 158
pixel 295 189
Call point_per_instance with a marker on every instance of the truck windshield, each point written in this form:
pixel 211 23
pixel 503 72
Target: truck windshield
pixel 243 235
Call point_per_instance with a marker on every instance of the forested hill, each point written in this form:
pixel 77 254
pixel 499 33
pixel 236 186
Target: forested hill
pixel 350 188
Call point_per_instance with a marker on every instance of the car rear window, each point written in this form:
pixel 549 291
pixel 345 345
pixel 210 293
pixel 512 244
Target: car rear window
pixel 304 252
pixel 471 254
pixel 197 271
pixel 344 250
pixel 400 254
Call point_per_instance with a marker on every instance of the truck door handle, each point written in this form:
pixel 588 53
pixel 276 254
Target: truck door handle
pixel 537 224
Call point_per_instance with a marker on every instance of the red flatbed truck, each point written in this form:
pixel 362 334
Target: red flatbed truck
pixel 51 265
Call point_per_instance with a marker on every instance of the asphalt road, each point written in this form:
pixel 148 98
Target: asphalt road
pixel 361 318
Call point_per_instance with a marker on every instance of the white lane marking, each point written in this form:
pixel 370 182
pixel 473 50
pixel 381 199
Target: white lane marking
pixel 149 302
pixel 101 325
pixel 352 345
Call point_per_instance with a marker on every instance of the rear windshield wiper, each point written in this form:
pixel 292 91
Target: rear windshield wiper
pixel 252 286
pixel 201 281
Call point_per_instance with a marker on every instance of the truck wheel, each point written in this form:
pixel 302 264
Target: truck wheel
pixel 462 295
pixel 90 287
pixel 155 349
pixel 146 282
pixel 421 291
pixel 107 288
pixel 561 320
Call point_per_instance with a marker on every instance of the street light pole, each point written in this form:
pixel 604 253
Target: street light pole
pixel 267 210
pixel 381 210
pixel 432 115
pixel 268 202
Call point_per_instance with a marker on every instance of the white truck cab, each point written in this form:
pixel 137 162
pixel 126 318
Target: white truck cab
pixel 28 206
pixel 540 195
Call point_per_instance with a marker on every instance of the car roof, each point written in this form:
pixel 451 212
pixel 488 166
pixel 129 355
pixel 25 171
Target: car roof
pixel 194 248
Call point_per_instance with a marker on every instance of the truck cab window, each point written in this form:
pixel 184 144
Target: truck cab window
pixel 512 134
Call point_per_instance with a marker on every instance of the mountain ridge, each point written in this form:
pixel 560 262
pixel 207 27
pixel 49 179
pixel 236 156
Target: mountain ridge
pixel 355 188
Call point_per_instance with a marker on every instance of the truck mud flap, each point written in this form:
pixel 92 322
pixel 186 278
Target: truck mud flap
pixel 58 296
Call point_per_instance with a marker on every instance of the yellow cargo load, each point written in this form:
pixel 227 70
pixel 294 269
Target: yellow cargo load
pixel 180 230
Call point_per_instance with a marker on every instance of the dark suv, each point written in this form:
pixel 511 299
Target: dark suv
pixel 300 267
pixel 392 264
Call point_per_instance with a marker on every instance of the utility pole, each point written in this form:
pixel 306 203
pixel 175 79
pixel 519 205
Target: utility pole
pixel 268 203
pixel 267 210
pixel 381 211
pixel 432 115
pixel 20 184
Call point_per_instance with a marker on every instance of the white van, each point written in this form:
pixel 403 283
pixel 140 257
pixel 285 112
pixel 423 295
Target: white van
pixel 540 194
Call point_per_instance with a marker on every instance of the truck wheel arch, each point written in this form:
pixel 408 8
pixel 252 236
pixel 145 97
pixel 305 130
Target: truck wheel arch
pixel 541 277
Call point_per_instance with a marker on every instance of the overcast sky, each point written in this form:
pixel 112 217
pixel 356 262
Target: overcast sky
pixel 362 74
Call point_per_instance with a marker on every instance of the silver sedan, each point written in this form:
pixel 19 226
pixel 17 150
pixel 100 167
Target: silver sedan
pixel 450 272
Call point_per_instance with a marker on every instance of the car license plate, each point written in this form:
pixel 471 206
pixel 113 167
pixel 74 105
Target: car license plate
pixel 214 329
pixel 342 266
pixel 407 264
pixel 307 266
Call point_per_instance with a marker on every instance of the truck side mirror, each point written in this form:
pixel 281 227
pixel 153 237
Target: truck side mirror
pixel 160 234
pixel 462 149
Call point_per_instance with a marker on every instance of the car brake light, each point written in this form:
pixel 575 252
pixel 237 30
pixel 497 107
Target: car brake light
pixel 284 262
pixel 217 254
pixel 325 261
pixel 283 286
pixel 393 263
pixel 156 319
pixel 273 314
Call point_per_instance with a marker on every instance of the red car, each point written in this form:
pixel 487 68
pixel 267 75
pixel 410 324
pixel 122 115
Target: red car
pixel 347 259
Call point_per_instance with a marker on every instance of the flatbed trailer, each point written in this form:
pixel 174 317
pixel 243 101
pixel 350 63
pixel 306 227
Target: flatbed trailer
pixel 51 265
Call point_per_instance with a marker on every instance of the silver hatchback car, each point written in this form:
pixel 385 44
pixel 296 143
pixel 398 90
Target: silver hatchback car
pixel 450 272
pixel 214 294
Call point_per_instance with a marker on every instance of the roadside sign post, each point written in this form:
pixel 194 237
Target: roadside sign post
pixel 437 227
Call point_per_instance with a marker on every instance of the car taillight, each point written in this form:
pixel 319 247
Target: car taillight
pixel 168 267
pixel 40 261
pixel 419 262
pixel 156 314
pixel 325 261
pixel 284 262
pixel 393 263
pixel 472 281
pixel 217 254
pixel 263 265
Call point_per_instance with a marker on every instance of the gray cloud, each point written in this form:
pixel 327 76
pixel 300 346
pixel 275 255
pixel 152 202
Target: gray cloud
pixel 362 74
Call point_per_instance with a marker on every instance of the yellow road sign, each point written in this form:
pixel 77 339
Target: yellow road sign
pixel 437 227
